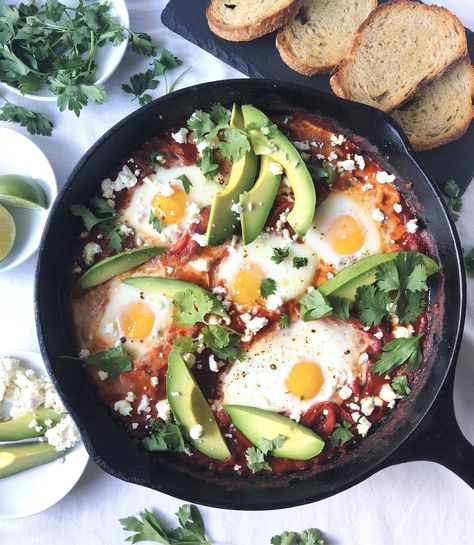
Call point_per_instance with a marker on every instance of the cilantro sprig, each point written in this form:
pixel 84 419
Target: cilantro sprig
pixel 342 434
pixel 255 456
pixel 315 305
pixel 311 536
pixel 113 361
pixel 397 352
pixel 34 122
pixel 224 343
pixel 268 287
pixel 322 173
pixel 165 437
pixel 400 385
pixel 279 255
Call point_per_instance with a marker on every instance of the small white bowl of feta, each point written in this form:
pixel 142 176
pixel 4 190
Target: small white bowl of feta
pixel 25 390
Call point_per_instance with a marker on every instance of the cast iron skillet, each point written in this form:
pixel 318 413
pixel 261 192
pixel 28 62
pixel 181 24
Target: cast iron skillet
pixel 409 432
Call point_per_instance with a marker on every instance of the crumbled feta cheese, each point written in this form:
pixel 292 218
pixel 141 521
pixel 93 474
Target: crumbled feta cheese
pixel 237 208
pixel 200 239
pixel 355 416
pixel 123 407
pixel 237 467
pixel 130 397
pixel 275 168
pixel 301 146
pixel 196 431
pixel 401 332
pixel 383 177
pixel 213 364
pixel 246 317
pixel 329 275
pixel 273 302
pixel 134 425
pixel 169 270
pixel 345 392
pixel 387 394
pixel 175 394
pixel 363 358
pixel 367 187
pixel 354 407
pixel 348 165
pixel 107 187
pixel 360 161
pixel 296 414
pixel 337 140
pixel 412 226
pixel 103 375
pixel 377 401
pixel 189 358
pixel 84 353
pixel 154 380
pixel 91 249
pixel 166 190
pixel 363 426
pixel 391 405
pixel 333 156
pixel 367 405
pixel 180 136
pixel 125 179
pixel 379 335
pixel 144 406
pixel 125 230
pixel 33 424
pixel 64 435
pixel 163 410
pixel 200 264
pixel 256 324
pixel 378 215
pixel 397 208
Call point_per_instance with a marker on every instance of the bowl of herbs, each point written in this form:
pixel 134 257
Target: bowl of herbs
pixel 51 50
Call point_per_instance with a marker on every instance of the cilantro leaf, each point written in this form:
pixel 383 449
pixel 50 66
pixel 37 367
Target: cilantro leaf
pixel 200 123
pixel 268 287
pixel 469 261
pixel 224 344
pixel 372 304
pixel 313 306
pixel 284 320
pixel 165 437
pixel 342 434
pixel 398 351
pixel 340 307
pixel 299 262
pixel 34 122
pixel 155 156
pixel 324 172
pixel 453 191
pixel 112 231
pixel 267 445
pixel 113 361
pixel 145 527
pixel 141 82
pixel 192 526
pixel 208 164
pixel 220 114
pixel 191 307
pixel 155 222
pixel 187 184
pixel 400 385
pixel 142 43
pixel 89 219
pixel 268 129
pixel 256 460
pixel 279 255
pixel 234 144
pixel 185 345
pixel 409 306
pixel 101 206
pixel 312 536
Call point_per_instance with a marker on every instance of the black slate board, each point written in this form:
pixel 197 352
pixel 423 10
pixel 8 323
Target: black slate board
pixel 260 59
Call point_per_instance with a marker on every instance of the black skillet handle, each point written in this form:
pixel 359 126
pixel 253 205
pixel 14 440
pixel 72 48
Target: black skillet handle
pixel 439 439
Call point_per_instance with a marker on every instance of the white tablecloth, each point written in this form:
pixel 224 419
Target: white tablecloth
pixel 411 504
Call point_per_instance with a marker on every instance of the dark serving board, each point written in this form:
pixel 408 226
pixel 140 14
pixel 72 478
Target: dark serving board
pixel 260 59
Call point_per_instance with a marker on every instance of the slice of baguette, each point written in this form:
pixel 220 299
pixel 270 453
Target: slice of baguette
pixel 320 35
pixel 245 20
pixel 397 50
pixel 442 111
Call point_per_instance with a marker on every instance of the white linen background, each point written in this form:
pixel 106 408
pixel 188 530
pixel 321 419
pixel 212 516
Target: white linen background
pixel 411 504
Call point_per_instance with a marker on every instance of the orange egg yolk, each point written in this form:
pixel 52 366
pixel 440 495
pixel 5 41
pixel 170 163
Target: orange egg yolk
pixel 346 235
pixel 245 288
pixel 136 321
pixel 304 380
pixel 170 209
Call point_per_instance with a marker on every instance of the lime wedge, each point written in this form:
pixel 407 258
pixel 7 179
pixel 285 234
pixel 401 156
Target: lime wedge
pixel 7 232
pixel 21 192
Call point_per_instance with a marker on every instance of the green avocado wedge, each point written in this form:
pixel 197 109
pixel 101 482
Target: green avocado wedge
pixel 191 409
pixel 19 428
pixel 280 150
pixel 169 287
pixel 362 273
pixel 117 264
pixel 22 456
pixel 300 442
pixel 223 220
pixel 257 203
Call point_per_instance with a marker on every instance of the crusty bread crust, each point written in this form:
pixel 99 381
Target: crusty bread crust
pixel 422 142
pixel 299 63
pixel 338 81
pixel 256 27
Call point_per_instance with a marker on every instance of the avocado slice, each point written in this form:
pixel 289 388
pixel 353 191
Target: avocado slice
pixel 17 458
pixel 169 287
pixel 18 428
pixel 362 273
pixel 190 409
pixel 117 264
pixel 301 443
pixel 257 203
pixel 280 150
pixel 222 220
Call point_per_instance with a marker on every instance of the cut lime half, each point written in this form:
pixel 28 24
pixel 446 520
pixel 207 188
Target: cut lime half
pixel 21 192
pixel 7 232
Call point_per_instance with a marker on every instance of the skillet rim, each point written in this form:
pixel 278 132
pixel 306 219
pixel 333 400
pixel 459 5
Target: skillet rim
pixel 457 264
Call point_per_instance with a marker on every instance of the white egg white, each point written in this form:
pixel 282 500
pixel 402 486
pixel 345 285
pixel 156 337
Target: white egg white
pixel 259 380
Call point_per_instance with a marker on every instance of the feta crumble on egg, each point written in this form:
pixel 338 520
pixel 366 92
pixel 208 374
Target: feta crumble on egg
pixel 91 249
pixel 378 215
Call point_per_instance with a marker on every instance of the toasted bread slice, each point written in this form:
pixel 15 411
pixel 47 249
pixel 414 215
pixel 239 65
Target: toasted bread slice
pixel 320 35
pixel 442 111
pixel 398 49
pixel 245 20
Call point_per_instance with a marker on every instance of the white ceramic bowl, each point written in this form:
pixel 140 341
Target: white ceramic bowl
pixel 108 57
pixel 39 488
pixel 20 156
